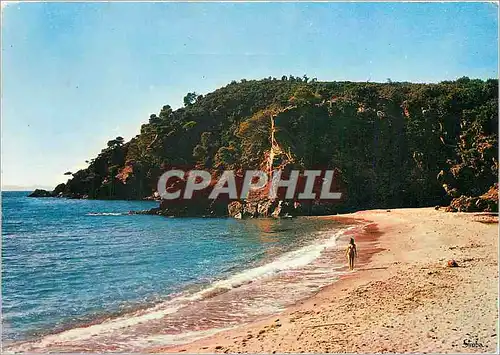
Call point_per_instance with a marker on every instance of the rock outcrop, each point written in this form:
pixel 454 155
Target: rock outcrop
pixel 264 208
pixel 41 193
pixel 487 202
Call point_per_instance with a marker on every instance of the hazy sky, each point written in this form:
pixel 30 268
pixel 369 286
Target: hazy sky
pixel 75 75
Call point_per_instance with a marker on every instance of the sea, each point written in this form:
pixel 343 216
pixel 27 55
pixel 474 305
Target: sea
pixel 86 275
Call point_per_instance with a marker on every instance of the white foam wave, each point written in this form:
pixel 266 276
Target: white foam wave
pixel 291 260
pixel 106 214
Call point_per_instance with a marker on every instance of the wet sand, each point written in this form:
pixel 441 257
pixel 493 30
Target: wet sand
pixel 402 297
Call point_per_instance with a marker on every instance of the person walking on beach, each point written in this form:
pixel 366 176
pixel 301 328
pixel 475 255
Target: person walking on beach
pixel 351 253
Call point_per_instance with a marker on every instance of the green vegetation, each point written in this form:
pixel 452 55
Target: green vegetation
pixel 395 144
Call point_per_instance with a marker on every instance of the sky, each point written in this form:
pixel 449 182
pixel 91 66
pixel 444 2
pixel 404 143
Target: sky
pixel 75 75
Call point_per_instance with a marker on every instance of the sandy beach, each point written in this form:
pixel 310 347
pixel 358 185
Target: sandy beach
pixel 402 296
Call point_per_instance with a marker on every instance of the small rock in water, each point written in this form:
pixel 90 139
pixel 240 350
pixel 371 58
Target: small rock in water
pixel 40 193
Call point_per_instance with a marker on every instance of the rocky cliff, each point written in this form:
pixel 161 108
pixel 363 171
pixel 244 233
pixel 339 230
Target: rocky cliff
pixel 393 144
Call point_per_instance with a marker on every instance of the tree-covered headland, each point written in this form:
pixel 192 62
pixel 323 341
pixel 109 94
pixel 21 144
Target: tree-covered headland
pixel 394 144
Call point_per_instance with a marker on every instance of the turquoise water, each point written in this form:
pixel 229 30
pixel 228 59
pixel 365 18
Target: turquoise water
pixel 67 262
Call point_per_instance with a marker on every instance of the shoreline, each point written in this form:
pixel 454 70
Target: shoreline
pixel 146 323
pixel 403 298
